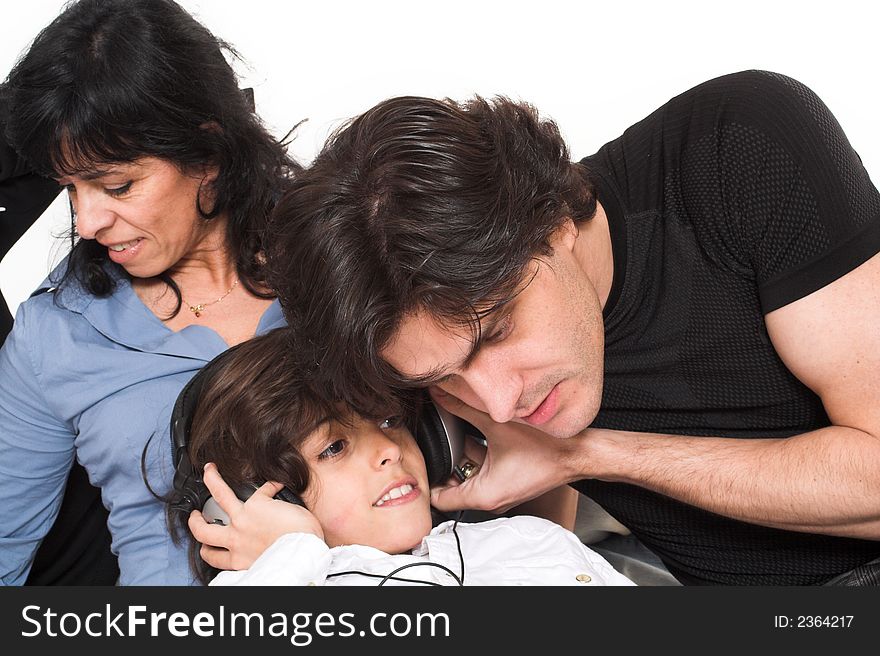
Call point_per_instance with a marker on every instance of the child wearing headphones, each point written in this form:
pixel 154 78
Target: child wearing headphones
pixel 366 517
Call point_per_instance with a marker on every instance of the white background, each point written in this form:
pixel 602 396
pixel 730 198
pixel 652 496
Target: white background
pixel 594 67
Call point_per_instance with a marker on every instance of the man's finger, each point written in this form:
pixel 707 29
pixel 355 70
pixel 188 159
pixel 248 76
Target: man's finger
pixel 448 498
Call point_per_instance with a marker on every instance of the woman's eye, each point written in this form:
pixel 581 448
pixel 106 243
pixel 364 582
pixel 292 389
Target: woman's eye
pixel 118 191
pixel 333 450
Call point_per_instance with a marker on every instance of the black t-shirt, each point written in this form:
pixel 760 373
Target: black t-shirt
pixel 730 201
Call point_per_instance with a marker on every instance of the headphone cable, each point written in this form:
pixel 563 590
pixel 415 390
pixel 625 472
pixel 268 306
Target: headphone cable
pixel 391 575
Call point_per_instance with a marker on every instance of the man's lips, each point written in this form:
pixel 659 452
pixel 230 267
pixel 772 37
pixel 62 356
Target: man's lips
pixel 545 410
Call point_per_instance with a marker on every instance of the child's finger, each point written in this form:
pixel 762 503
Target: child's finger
pixel 269 489
pixel 208 534
pixel 222 493
pixel 219 558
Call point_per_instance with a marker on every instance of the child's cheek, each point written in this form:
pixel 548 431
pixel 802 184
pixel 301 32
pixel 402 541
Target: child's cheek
pixel 337 522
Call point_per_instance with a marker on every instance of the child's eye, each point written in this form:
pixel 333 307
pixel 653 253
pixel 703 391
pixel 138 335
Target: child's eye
pixel 391 422
pixel 333 450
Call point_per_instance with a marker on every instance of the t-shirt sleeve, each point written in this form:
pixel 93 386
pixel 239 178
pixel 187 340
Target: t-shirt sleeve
pixel 786 194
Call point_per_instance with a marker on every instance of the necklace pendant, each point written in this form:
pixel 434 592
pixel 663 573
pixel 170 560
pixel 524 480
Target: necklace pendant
pixel 200 307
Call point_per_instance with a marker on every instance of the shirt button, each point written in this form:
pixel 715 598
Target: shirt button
pixel 583 578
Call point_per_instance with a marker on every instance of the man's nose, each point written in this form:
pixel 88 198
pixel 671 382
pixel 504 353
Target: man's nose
pixel 497 390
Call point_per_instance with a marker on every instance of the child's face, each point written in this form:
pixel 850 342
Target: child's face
pixel 368 485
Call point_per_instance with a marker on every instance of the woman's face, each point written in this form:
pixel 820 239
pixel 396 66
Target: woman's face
pixel 144 213
pixel 368 485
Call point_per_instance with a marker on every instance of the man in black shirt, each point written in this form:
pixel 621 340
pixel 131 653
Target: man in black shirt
pixel 682 326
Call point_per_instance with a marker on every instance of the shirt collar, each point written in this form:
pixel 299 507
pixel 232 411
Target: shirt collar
pixel 123 318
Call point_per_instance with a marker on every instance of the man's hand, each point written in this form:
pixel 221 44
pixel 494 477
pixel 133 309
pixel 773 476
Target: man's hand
pixel 253 525
pixel 521 463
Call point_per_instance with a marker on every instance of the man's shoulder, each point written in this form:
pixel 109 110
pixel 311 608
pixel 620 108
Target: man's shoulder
pixel 753 83
pixel 768 100
pixel 771 103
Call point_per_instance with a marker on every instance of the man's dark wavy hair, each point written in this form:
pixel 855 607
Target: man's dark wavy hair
pixel 416 205
pixel 112 81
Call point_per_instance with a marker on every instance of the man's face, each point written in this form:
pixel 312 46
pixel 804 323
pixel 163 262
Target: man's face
pixel 540 358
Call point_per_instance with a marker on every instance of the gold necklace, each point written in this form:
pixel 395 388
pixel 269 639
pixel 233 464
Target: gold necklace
pixel 200 307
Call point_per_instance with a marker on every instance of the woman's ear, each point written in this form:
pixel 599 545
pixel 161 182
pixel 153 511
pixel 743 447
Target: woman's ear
pixel 206 198
pixel 208 173
pixel 211 171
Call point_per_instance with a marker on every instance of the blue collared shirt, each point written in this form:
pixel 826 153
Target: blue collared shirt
pixel 95 379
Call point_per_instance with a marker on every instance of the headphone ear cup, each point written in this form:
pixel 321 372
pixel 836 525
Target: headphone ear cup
pixel 432 440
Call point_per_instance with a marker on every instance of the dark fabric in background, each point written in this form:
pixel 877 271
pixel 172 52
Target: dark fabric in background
pixel 76 551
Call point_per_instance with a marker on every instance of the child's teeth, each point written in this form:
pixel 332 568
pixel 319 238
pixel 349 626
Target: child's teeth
pixel 395 493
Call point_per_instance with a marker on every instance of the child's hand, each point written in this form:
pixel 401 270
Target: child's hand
pixel 253 525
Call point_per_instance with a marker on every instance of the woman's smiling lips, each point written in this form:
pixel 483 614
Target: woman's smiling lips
pixel 398 493
pixel 122 252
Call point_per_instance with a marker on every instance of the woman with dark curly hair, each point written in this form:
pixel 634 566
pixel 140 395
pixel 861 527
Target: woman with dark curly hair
pixel 134 109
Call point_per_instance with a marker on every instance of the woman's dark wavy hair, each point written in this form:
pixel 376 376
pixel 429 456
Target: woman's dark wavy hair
pixel 116 80
pixel 417 204
pixel 252 414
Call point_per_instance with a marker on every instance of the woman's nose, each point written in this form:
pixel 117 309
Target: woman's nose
pixel 92 214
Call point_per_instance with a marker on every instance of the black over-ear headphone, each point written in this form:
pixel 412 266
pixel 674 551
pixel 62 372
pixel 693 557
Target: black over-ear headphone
pixel 439 434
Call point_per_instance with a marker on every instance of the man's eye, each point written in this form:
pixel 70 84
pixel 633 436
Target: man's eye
pixel 333 450
pixel 502 330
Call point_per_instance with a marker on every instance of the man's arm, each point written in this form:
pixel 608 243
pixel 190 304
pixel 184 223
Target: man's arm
pixel 558 505
pixel 825 481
